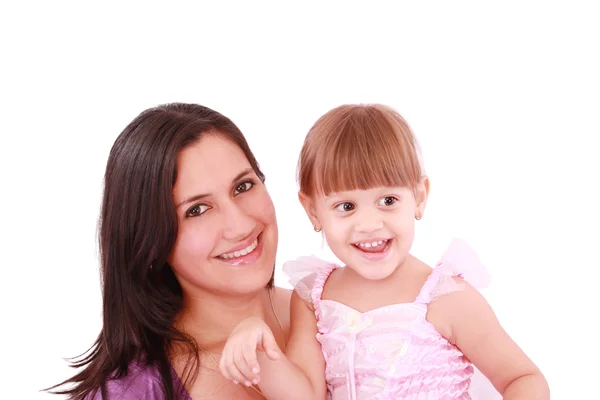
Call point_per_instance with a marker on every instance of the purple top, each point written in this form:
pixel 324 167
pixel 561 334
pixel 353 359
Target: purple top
pixel 141 382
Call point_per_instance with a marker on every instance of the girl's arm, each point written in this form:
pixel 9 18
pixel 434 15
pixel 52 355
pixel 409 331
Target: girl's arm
pixel 475 330
pixel 299 374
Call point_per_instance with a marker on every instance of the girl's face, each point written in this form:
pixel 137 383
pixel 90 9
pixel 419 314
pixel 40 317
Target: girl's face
pixel 227 237
pixel 371 231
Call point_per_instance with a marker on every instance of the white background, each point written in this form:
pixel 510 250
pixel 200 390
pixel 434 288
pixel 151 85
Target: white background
pixel 504 99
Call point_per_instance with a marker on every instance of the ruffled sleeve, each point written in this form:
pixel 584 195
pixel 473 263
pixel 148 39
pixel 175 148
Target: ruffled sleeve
pixel 459 261
pixel 303 273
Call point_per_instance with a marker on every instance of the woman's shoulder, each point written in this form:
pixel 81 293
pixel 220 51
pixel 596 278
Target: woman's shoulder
pixel 143 381
pixel 284 295
pixel 281 299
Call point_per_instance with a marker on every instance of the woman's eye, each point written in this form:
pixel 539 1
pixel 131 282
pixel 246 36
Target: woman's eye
pixel 345 207
pixel 197 210
pixel 387 201
pixel 243 187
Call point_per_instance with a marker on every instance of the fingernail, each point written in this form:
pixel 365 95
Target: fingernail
pixel 236 382
pixel 255 381
pixel 255 370
pixel 248 383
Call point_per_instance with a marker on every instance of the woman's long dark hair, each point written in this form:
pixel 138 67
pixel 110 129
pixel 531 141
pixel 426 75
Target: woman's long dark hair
pixel 137 230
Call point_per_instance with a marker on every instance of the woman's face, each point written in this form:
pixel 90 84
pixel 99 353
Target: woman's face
pixel 227 238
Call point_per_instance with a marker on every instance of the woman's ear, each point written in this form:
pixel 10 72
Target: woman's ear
pixel 309 208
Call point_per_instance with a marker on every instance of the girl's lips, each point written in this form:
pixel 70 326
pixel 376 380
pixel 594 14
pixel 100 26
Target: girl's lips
pixel 374 253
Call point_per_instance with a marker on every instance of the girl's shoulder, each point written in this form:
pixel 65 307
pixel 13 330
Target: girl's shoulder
pixel 459 272
pixel 459 266
pixel 307 275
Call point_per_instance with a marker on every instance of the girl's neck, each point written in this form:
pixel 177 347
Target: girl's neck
pixel 406 268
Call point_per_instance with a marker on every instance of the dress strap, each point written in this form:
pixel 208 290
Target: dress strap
pixel 459 261
pixel 308 275
pixel 429 287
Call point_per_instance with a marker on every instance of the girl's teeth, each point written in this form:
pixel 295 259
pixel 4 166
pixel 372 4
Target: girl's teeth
pixel 372 247
pixel 371 244
pixel 242 252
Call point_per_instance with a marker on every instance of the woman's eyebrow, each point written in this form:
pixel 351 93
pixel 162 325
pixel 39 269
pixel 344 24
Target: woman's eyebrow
pixel 197 197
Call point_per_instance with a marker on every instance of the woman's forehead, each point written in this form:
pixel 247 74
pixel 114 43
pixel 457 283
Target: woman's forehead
pixel 209 165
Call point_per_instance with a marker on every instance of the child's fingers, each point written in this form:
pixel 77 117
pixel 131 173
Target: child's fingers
pixel 243 370
pixel 269 345
pixel 224 367
pixel 229 366
pixel 249 352
pixel 225 364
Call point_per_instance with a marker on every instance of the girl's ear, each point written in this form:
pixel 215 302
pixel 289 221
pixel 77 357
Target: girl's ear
pixel 421 195
pixel 309 208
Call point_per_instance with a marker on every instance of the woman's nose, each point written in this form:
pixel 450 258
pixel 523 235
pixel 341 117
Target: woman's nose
pixel 237 224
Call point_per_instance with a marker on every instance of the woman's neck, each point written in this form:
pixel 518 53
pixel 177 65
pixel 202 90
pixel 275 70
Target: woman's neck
pixel 210 318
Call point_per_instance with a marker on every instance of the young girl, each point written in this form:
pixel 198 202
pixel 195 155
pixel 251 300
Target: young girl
pixel 385 326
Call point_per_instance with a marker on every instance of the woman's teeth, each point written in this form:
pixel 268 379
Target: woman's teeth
pixel 240 253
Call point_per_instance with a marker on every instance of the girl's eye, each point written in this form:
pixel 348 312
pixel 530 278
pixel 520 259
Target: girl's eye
pixel 345 207
pixel 243 187
pixel 387 201
pixel 197 210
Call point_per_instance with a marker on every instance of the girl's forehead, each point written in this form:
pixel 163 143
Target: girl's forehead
pixel 375 191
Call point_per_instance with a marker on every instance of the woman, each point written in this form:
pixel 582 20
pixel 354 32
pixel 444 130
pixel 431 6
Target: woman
pixel 188 237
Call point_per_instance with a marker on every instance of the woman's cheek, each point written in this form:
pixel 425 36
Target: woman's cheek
pixel 194 246
pixel 262 207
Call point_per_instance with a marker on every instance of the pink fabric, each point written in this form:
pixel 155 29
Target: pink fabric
pixel 391 352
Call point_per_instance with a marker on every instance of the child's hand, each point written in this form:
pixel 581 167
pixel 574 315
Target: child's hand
pixel 239 362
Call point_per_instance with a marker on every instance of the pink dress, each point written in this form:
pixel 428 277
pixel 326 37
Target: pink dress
pixel 391 352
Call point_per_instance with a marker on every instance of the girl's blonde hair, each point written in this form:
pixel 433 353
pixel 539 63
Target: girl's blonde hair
pixel 358 146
